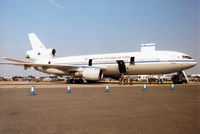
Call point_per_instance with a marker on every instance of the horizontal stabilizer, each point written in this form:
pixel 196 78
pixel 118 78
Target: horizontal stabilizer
pixel 15 60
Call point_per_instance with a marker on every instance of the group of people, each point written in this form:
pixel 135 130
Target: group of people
pixel 124 80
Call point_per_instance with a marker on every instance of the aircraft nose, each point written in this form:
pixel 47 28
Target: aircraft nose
pixel 195 63
pixel 189 64
pixel 192 64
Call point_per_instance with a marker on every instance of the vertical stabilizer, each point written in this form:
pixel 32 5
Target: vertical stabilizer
pixel 35 42
pixel 39 51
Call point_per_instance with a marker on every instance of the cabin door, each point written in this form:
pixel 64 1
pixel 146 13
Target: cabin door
pixel 90 62
pixel 122 66
pixel 132 60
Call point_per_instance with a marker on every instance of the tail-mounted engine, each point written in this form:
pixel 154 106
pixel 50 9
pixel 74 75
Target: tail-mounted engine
pixel 41 54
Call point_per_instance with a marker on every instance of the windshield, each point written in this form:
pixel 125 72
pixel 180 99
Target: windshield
pixel 186 57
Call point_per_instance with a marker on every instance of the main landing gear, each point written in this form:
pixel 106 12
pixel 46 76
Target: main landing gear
pixel 75 81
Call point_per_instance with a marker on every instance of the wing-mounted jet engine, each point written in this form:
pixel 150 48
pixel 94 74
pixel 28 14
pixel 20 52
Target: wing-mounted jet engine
pixel 92 74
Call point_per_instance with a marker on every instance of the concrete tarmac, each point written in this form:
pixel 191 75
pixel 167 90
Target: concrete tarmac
pixel 90 110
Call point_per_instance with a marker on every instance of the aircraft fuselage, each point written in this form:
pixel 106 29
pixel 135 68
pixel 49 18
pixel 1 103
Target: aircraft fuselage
pixel 135 63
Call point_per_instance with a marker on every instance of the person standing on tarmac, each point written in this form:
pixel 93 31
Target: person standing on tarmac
pixel 125 80
pixel 131 80
pixel 121 79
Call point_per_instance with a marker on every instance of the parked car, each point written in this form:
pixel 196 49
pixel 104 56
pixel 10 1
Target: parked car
pixel 47 79
pixel 27 79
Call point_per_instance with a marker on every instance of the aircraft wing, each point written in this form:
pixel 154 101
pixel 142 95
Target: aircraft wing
pixel 56 66
pixel 15 60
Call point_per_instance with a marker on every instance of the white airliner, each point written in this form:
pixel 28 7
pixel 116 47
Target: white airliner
pixel 94 67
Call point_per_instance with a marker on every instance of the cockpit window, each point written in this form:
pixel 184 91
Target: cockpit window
pixel 186 57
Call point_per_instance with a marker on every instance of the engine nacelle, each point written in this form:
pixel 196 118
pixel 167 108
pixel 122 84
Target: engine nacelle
pixel 41 54
pixel 92 74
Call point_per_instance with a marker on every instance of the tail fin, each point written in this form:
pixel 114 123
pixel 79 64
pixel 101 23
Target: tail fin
pixel 39 51
pixel 35 42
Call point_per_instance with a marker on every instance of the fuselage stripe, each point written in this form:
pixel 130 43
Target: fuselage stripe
pixel 170 61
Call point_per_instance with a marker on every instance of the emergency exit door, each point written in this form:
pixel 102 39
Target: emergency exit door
pixel 122 66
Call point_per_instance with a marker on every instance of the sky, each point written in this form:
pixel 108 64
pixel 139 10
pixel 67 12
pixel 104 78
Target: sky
pixel 79 27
